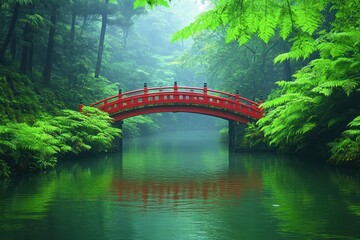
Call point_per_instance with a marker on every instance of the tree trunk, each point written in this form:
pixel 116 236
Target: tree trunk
pixel 102 39
pixel 125 35
pixel 13 47
pixel 72 31
pixel 287 70
pixel 28 46
pixel 25 49
pixel 84 24
pixel 50 49
pixel 30 63
pixel 287 73
pixel 10 32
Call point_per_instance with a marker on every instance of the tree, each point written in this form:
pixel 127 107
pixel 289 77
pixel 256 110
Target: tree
pixel 15 12
pixel 248 68
pixel 51 44
pixel 31 22
pixel 104 17
pixel 126 15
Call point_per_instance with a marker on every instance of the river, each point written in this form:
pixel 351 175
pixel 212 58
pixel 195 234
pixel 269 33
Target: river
pixel 183 185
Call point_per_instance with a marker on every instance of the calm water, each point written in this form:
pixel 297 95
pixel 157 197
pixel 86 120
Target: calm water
pixel 171 186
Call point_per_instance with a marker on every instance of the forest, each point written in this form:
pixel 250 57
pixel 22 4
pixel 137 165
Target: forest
pixel 300 56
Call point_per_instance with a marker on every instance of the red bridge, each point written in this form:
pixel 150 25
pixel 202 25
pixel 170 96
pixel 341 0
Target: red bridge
pixel 180 99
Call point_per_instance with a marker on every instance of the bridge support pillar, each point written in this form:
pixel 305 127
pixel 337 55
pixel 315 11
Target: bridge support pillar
pixel 232 134
pixel 117 145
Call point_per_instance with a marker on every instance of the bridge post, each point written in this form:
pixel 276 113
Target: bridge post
pixel 117 145
pixel 232 134
pixel 145 88
pixel 81 105
pixel 175 86
pixel 120 93
pixel 205 88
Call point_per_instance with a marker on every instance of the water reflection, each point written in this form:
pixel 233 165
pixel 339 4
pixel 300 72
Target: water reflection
pixel 183 189
pixel 226 186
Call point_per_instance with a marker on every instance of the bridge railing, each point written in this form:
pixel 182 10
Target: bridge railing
pixel 175 88
pixel 179 94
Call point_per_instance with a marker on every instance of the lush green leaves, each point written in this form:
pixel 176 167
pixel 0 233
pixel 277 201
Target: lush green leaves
pixel 246 18
pixel 37 146
pixel 347 148
pixel 143 3
pixel 309 107
pixel 254 138
pixel 139 124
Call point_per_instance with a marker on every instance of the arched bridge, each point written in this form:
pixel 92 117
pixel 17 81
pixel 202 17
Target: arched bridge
pixel 180 99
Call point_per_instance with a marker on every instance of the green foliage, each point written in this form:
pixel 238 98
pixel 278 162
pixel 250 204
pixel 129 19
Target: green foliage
pixel 248 68
pixel 6 4
pixel 18 101
pixel 89 89
pixel 254 138
pixel 139 125
pixel 313 110
pixel 320 102
pixel 4 169
pixel 26 147
pixel 79 132
pixel 224 134
pixel 143 3
pixel 347 148
pixel 34 20
pixel 246 18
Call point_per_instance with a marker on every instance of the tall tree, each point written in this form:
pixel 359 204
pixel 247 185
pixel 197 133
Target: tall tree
pixel 104 19
pixel 31 22
pixel 50 46
pixel 126 16
pixel 15 13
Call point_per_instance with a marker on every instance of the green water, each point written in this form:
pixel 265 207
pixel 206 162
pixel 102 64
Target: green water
pixel 182 186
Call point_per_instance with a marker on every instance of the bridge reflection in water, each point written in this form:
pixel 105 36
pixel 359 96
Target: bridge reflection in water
pixel 210 190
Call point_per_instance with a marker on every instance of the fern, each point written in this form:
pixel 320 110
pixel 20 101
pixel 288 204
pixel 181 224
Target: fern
pixel 90 130
pixel 355 122
pixel 286 20
pixel 269 21
pixel 254 138
pixel 347 148
pixel 143 3
pixel 310 105
pixel 141 124
pixel 303 46
pixel 4 169
pixel 308 14
pixel 37 146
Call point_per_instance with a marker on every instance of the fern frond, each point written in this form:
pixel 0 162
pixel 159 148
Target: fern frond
pixel 308 14
pixel 303 46
pixel 355 122
pixel 307 127
pixel 206 21
pixel 286 20
pixel 348 85
pixel 268 22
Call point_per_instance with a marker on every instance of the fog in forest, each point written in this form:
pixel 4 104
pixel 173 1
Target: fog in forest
pixel 146 55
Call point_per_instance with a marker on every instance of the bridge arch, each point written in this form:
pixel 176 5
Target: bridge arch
pixel 176 98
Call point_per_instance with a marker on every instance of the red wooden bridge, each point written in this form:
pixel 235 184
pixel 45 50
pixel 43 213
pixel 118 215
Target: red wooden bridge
pixel 180 99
